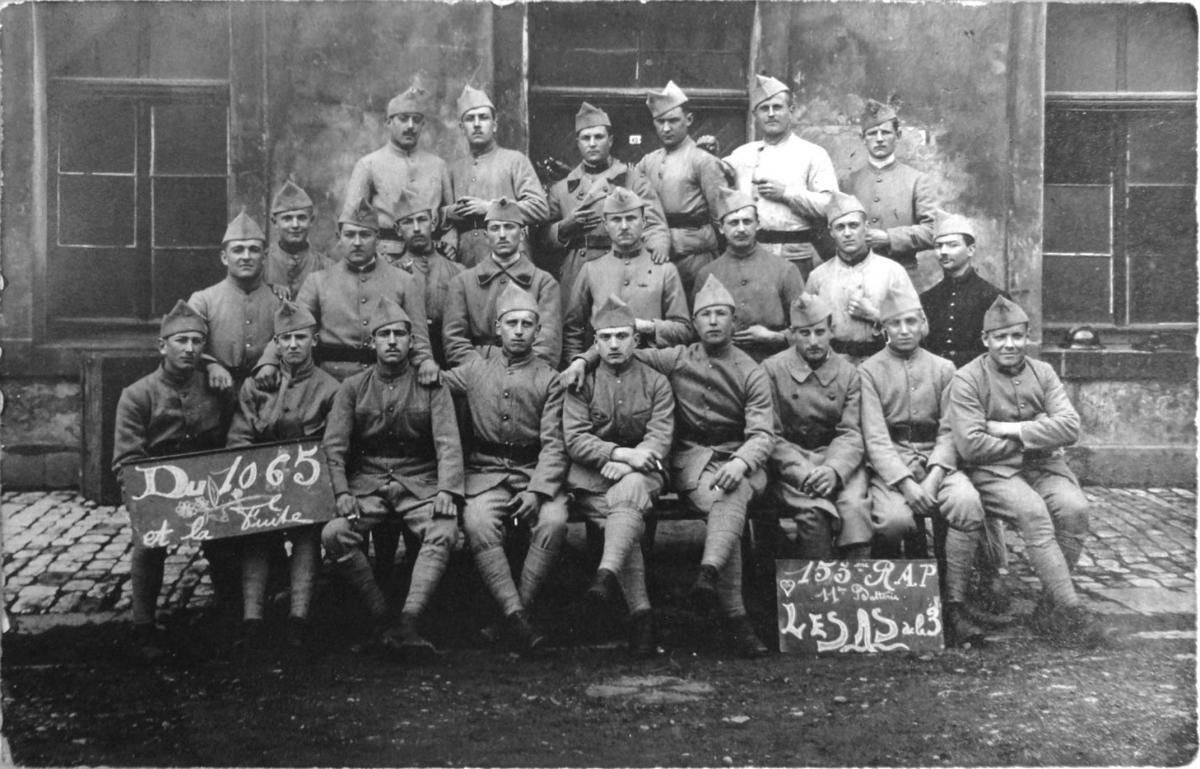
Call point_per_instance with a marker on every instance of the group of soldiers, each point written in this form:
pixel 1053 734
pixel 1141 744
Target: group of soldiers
pixel 483 354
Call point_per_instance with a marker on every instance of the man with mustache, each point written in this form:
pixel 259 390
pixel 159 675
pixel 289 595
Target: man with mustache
pixel 401 164
pixel 789 179
pixel 488 173
pixel 576 233
pixel 170 411
pixel 291 258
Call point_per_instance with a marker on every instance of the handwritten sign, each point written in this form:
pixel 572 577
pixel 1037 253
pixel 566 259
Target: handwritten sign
pixel 227 493
pixel 858 606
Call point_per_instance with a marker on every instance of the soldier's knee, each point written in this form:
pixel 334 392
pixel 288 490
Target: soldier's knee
pixel 632 491
pixel 440 533
pixel 481 525
pixel 338 537
pixel 891 522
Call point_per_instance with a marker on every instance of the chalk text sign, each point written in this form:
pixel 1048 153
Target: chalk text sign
pixel 858 606
pixel 227 493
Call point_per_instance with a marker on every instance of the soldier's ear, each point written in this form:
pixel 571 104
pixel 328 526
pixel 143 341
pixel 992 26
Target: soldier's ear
pixel 162 345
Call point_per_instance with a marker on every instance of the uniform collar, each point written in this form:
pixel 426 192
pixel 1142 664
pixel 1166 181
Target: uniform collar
pixel 368 267
pixel 800 370
pixel 963 279
pixel 1006 371
pixel 301 372
pixel 381 373
pixel 175 380
pixel 233 284
pixel 880 165
pixel 521 271
pixel 396 150
pixel 683 146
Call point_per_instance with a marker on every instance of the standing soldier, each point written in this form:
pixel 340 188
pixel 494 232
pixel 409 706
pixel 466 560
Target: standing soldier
pixel 686 179
pixel 1011 418
pixel 291 258
pixel 618 425
pixel 818 457
pixel 913 465
pixel 575 235
pixel 517 463
pixel 763 284
pixel 724 436
pixel 856 281
pixel 470 315
pixel 393 450
pixel 421 260
pixel 791 179
pixel 401 164
pixel 900 200
pixel 490 172
pixel 298 408
pixel 170 411
pixel 628 271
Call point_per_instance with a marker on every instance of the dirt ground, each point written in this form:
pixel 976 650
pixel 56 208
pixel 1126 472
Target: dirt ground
pixel 75 696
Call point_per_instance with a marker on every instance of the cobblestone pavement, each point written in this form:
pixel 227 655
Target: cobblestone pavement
pixel 66 555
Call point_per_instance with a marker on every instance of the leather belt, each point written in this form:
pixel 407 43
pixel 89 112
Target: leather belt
pixel 786 236
pixel 388 233
pixel 712 437
pixel 327 353
pixel 514 452
pixel 910 433
pixel 1039 454
pixel 811 440
pixel 857 349
pixel 591 241
pixel 470 223
pixel 683 221
pixel 393 448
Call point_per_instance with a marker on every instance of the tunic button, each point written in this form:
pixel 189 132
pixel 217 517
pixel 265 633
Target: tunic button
pixel 362 300
pixel 390 409
pixel 627 283
pixel 364 322
pixel 504 418
pixel 745 282
pixel 506 395
pixel 287 408
pixel 1016 381
pixel 795 396
pixel 831 396
pixel 876 200
pixel 247 322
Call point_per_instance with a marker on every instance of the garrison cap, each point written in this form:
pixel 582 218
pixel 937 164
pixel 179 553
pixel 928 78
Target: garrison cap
pixel 290 316
pixel 954 224
pixel 877 112
pixel 362 215
pixel 670 98
pixel 473 98
pixel 415 99
pixel 504 210
pixel 764 88
pixel 898 303
pixel 243 228
pixel 621 200
pixel 290 198
pixel 614 313
pixel 1002 314
pixel 712 293
pixel 513 299
pixel 388 312
pixel 730 200
pixel 808 310
pixel 409 202
pixel 841 204
pixel 591 117
pixel 181 318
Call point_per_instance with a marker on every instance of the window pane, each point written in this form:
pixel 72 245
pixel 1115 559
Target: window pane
pixel 1161 47
pixel 96 210
pixel 1078 220
pixel 1076 289
pixel 1081 46
pixel 1162 147
pixel 189 212
pixel 178 273
pixel 1080 147
pixel 1162 254
pixel 583 44
pixel 98 283
pixel 97 136
pixel 696 44
pixel 189 139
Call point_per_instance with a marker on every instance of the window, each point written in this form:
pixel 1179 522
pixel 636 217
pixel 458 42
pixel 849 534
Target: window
pixel 1119 238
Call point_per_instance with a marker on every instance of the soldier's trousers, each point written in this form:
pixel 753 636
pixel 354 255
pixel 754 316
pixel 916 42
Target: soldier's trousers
pixel 821 523
pixel 725 513
pixel 621 510
pixel 1050 512
pixel 484 522
pixel 302 569
pixel 343 540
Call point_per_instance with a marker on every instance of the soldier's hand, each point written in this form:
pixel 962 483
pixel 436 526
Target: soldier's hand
pixel 918 498
pixel 525 506
pixel 572 376
pixel 615 471
pixel 878 239
pixel 657 257
pixel 347 506
pixel 427 373
pixel 757 334
pixel 219 378
pixel 821 481
pixel 443 505
pixel 643 326
pixel 770 189
pixel 267 378
pixel 932 483
pixel 642 460
pixel 730 475
pixel 861 307
pixel 471 206
pixel 1004 429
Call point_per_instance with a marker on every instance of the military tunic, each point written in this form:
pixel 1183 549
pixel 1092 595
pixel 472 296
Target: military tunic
pixel 653 292
pixel 764 286
pixel 161 414
pixel 470 315
pixel 837 282
pixel 434 272
pixel 901 201
pixel 382 175
pixel 286 270
pixel 955 308
pixel 240 323
pixel 299 408
pixel 497 173
pixel 817 415
pixel 566 196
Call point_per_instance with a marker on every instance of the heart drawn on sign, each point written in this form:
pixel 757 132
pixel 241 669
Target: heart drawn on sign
pixel 788 586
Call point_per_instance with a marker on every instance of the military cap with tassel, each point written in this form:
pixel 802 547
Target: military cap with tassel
pixel 182 318
pixel 669 98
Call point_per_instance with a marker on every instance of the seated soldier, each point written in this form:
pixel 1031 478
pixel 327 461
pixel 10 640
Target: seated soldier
pixel 151 423
pixel 393 450
pixel 1011 418
pixel 818 458
pixel 517 463
pixel 298 408
pixel 913 465
pixel 617 425
pixel 725 434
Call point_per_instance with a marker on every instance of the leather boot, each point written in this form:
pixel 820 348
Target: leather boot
pixel 743 639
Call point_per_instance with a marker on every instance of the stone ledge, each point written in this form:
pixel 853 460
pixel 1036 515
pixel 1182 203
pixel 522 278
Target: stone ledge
pixel 1119 465
pixel 1122 364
